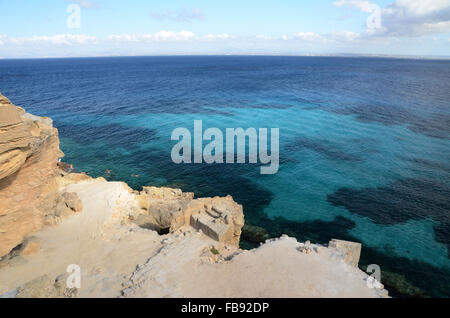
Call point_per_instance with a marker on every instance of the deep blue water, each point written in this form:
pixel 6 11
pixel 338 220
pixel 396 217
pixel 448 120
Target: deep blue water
pixel 364 143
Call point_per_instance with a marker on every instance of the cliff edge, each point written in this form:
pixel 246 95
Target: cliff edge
pixel 158 242
pixel 29 152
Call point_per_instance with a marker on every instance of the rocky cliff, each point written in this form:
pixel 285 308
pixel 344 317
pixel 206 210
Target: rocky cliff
pixel 158 242
pixel 32 189
pixel 29 152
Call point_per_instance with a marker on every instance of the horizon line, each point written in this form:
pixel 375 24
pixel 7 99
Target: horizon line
pixel 344 55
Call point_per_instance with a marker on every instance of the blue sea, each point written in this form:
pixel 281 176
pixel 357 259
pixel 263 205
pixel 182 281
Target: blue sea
pixel 364 143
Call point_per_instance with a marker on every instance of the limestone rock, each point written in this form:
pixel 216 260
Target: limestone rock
pixel 161 207
pixel 169 209
pixel 44 287
pixel 220 218
pixel 147 221
pixel 29 152
pixel 67 204
pixel 11 161
pixel 69 178
pixel 30 246
pixel 62 210
pixel 351 251
pixel 155 193
pixel 62 289
pixel 41 287
pixel 72 201
pixel 15 139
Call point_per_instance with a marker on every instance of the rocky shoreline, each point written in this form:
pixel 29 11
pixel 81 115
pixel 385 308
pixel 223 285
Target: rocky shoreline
pixel 158 242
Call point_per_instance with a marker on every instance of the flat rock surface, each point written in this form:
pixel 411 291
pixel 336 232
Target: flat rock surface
pixel 119 259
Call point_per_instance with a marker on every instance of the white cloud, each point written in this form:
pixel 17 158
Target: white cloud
pixel 87 4
pixel 335 36
pixel 183 14
pixel 405 18
pixel 158 36
pixel 422 7
pixel 67 39
pixel 186 42
pixel 223 36
pixel 168 36
pixel 263 37
pixel 344 36
pixel 309 36
pixel 173 36
pixel 59 39
pixel 82 39
pixel 416 17
pixel 364 6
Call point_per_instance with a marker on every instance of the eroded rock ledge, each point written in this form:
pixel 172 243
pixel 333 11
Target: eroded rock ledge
pixel 158 242
pixel 170 209
pixel 29 152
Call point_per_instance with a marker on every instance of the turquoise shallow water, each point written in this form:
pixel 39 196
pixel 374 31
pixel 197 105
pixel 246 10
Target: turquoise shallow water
pixel 364 143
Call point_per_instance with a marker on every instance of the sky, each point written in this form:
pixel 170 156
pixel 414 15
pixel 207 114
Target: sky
pixel 70 28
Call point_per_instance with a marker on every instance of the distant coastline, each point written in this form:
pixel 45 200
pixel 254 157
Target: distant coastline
pixel 343 55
